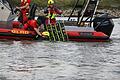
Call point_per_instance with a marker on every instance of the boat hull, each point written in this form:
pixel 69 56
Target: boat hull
pixel 82 36
pixel 17 34
pixel 74 33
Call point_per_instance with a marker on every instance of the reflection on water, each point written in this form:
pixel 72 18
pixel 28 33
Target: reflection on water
pixel 26 60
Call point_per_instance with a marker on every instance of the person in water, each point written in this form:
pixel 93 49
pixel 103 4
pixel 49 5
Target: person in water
pixel 24 8
pixel 51 12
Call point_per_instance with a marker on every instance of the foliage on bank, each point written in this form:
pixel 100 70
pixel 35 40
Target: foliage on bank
pixel 71 3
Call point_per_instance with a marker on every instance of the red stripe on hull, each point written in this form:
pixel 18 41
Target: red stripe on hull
pixel 15 38
pixel 88 40
pixel 9 34
pixel 10 31
pixel 5 30
pixel 87 36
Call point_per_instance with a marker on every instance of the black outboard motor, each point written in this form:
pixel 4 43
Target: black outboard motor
pixel 103 24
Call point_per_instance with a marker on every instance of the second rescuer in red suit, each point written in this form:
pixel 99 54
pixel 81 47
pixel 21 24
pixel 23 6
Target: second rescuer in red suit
pixel 24 7
pixel 51 12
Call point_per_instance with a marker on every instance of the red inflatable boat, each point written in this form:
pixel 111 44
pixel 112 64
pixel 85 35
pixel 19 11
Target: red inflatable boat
pixel 99 29
pixel 74 34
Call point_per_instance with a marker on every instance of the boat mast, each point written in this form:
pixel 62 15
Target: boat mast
pixel 83 12
pixel 76 4
pixel 88 12
pixel 73 9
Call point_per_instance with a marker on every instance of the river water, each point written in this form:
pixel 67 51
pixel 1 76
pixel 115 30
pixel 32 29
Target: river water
pixel 26 60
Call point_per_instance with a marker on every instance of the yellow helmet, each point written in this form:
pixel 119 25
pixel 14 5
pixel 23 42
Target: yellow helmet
pixel 50 2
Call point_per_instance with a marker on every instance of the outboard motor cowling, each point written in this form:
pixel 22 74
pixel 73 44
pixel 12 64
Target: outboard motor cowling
pixel 103 24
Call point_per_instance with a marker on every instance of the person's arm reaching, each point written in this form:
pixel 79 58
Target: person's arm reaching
pixel 58 11
pixel 37 31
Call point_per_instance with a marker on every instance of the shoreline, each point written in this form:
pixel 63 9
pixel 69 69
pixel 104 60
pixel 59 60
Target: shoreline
pixel 67 12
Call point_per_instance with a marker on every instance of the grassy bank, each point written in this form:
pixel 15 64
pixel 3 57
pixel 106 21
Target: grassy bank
pixel 110 4
pixel 70 3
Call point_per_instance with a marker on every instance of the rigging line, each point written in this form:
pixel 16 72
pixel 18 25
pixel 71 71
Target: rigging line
pixel 73 9
pixel 82 14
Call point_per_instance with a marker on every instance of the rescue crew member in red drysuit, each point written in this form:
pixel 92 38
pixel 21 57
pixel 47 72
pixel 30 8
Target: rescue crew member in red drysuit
pixel 24 7
pixel 32 25
pixel 51 11
pixel 28 24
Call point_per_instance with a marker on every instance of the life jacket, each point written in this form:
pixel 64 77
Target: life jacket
pixel 52 13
